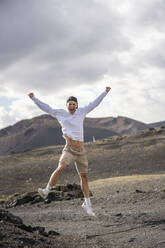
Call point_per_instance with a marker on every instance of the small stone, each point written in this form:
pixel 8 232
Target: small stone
pixel 131 240
pixel 118 215
pixel 53 233
pixel 139 191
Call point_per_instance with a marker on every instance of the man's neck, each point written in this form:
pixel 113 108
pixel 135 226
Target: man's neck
pixel 72 112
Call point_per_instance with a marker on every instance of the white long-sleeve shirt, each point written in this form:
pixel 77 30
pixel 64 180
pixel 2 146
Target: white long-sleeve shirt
pixel 72 124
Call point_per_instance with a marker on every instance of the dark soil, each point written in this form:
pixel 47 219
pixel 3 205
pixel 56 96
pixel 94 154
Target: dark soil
pixel 127 180
pixel 129 213
pixel 14 233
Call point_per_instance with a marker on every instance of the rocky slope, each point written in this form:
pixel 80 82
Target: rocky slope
pixel 141 152
pixel 44 131
pixel 14 233
pixel 126 174
pixel 129 213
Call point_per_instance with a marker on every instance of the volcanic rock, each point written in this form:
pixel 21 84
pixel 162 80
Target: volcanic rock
pixel 14 233
pixel 58 193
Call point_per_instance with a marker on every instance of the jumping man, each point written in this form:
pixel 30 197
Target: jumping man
pixel 71 122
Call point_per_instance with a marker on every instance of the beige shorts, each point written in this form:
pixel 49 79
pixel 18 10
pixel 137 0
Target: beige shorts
pixel 70 154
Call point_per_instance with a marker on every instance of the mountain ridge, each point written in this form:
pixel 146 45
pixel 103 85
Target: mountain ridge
pixel 45 130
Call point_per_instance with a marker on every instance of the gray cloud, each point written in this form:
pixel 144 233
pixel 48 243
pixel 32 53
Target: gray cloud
pixel 25 25
pixel 156 55
pixel 53 46
pixel 150 14
pixel 63 42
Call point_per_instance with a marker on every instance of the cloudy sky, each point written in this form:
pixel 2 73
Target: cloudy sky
pixel 60 48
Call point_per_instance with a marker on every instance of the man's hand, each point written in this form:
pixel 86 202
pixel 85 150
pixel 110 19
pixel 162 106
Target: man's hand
pixel 31 95
pixel 108 89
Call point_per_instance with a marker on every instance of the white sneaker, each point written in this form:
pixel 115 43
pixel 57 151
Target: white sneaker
pixel 88 209
pixel 43 193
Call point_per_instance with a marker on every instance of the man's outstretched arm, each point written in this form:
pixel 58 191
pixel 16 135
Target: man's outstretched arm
pixel 43 106
pixel 97 101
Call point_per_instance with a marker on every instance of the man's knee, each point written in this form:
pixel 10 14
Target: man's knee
pixel 84 176
pixel 61 166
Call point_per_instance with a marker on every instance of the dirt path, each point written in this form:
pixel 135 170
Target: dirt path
pixel 130 213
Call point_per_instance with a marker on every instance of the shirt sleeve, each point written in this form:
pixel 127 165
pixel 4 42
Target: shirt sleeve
pixel 95 103
pixel 45 107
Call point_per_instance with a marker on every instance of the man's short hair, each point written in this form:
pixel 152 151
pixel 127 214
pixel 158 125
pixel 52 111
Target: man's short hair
pixel 72 98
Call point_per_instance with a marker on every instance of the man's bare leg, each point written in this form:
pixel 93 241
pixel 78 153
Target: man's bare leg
pixel 53 179
pixel 84 184
pixel 85 188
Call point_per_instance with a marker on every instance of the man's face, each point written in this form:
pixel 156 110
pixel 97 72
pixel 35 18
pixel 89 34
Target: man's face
pixel 71 106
